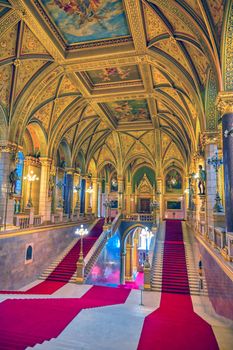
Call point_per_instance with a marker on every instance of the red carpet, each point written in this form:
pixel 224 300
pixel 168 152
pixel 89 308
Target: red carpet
pixel 67 267
pixel 175 325
pixel 31 321
pixel 139 282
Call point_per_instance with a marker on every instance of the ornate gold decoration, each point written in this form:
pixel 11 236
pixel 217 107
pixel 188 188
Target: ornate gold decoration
pixel 8 147
pixel 224 102
pixel 208 137
pixel 8 21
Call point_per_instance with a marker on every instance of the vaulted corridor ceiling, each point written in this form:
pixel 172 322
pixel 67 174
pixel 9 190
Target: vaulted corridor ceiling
pixel 115 80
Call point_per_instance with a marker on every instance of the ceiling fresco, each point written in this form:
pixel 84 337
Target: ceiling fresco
pixel 90 20
pixel 114 75
pixel 129 111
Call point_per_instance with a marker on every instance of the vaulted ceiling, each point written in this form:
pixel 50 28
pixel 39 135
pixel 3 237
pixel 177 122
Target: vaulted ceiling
pixel 114 79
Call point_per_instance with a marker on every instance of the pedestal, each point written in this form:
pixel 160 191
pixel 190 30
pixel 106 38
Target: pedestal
pixel 30 212
pixel 219 219
pixel 59 212
pixel 229 239
pixel 147 270
pixel 80 271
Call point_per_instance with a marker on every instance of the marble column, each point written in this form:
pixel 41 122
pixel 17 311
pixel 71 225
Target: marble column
pixel 225 105
pixel 210 149
pixel 129 262
pixel 7 164
pixel 76 194
pixel 120 193
pixel 95 197
pixel 159 196
pixel 44 200
pixel 68 194
pixel 122 267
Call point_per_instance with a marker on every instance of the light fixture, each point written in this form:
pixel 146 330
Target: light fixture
pixel 89 189
pixel 81 232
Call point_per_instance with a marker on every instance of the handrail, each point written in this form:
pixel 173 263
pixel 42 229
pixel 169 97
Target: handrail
pixel 116 222
pixel 138 217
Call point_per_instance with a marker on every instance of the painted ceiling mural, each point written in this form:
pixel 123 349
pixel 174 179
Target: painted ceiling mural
pixel 114 75
pixel 129 111
pixel 89 20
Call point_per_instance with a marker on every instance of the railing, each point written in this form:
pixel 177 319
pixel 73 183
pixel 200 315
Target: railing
pixel 21 221
pixel 115 224
pixel 138 217
pixel 94 252
pixel 37 220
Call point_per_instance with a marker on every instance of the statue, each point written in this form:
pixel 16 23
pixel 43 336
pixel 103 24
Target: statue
pixel 13 177
pixel 202 180
pixel 51 186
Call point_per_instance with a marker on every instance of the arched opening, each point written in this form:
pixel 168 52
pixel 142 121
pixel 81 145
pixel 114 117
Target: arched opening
pixel 29 253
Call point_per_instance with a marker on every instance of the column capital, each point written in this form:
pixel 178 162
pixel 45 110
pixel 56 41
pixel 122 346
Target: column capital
pixel 32 161
pixel 70 171
pixel 224 102
pixel 45 161
pixel 8 147
pixel 209 137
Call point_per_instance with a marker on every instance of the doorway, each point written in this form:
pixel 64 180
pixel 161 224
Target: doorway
pixel 144 205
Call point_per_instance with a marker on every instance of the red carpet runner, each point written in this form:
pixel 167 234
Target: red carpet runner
pixel 175 326
pixel 27 322
pixel 67 267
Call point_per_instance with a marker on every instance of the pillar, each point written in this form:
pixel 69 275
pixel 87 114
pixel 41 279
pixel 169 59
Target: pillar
pixel 76 193
pixel 44 200
pixel 7 164
pixel 225 105
pixel 87 196
pixel 99 199
pixel 68 192
pixel 159 196
pixel 120 193
pixel 129 262
pixel 122 267
pixel 210 149
pixel 95 197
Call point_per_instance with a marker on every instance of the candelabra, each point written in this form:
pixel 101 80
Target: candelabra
pixel 216 162
pixel 81 232
pixel 80 263
pixel 107 205
pixel 31 177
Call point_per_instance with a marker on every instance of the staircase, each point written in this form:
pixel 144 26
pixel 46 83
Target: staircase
pixel 168 263
pixel 63 268
pixel 56 262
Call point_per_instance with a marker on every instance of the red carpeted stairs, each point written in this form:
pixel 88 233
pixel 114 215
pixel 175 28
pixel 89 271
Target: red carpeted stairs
pixel 175 325
pixel 175 276
pixel 67 267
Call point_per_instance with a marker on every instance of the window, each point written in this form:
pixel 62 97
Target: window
pixel 29 253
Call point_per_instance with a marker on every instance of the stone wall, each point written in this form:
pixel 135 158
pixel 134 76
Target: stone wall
pixel 15 272
pixel 220 286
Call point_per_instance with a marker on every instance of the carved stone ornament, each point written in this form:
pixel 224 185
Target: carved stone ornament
pixel 145 185
pixel 208 137
pixel 224 102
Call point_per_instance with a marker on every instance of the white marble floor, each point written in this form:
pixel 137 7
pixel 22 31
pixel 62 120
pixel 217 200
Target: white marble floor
pixel 120 325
